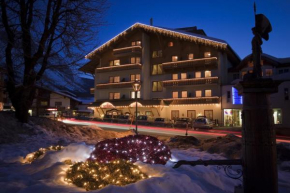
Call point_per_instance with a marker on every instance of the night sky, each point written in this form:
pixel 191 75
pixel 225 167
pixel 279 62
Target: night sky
pixel 229 20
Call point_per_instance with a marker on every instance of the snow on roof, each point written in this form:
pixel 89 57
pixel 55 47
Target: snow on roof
pixel 165 31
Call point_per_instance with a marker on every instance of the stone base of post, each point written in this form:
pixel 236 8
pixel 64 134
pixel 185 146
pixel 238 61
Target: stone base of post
pixel 258 136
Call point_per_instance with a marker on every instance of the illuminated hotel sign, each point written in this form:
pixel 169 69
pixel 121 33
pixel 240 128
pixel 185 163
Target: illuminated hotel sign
pixel 237 99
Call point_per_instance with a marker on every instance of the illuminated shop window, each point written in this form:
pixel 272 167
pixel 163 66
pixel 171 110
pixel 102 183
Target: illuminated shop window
pixel 237 99
pixel 277 114
pixel 233 117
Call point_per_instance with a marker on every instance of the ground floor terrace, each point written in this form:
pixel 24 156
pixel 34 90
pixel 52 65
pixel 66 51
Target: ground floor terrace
pixel 168 109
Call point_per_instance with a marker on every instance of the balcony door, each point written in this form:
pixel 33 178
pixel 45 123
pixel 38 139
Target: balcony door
pixel 174 114
pixel 208 114
pixel 191 114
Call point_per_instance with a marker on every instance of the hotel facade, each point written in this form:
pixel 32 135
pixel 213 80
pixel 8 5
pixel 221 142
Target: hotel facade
pixel 183 73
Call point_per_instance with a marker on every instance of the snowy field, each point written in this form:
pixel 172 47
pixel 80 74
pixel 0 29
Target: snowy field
pixel 47 174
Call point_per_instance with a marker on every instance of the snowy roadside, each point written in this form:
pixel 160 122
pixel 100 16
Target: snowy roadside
pixel 47 173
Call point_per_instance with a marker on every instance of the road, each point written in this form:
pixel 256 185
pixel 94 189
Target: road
pixel 162 131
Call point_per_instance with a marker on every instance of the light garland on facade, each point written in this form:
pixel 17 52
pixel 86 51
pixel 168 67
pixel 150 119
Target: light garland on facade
pixel 165 32
pixel 191 98
pixel 93 175
pixel 187 79
pixel 35 155
pixel 193 60
pixel 133 148
pixel 119 66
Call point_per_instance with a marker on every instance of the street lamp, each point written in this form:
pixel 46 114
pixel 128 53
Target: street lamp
pixel 136 86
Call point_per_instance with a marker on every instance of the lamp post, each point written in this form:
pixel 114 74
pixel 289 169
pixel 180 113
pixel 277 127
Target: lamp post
pixel 136 86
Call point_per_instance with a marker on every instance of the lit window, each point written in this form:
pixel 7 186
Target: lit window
pixel 190 56
pixel 156 54
pixel 175 94
pixel 136 43
pixel 197 74
pixel 277 114
pixel 157 86
pixel 114 95
pixel 157 69
pixel 207 93
pixel 111 79
pixel 207 73
pixel 133 94
pixel 43 103
pixel 250 64
pixel 174 58
pixel 135 60
pixel 112 63
pixel 207 54
pixel 183 76
pixel 184 94
pixel 117 79
pixel 243 73
pixel 116 62
pixel 135 76
pixel 174 76
pixel 198 93
pixel 268 72
pixel 170 44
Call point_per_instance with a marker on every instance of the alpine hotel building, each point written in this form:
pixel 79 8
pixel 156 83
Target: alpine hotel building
pixel 183 73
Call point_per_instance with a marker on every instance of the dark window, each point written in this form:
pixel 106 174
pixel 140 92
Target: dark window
pixel 286 94
pixel 281 71
pixel 286 70
pixel 58 104
pixel 228 96
pixel 236 76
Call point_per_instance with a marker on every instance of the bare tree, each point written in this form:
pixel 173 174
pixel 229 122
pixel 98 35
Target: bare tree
pixel 43 35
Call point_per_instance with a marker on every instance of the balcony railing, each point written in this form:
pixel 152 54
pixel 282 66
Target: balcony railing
pixel 119 67
pixel 115 85
pixel 193 100
pixel 191 81
pixel 127 50
pixel 190 64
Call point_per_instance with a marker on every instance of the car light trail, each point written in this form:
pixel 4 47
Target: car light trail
pixel 163 130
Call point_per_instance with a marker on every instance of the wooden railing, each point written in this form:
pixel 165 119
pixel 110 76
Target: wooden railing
pixel 191 81
pixel 115 85
pixel 119 67
pixel 128 50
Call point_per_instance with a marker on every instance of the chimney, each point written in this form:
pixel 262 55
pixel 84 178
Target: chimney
pixel 151 21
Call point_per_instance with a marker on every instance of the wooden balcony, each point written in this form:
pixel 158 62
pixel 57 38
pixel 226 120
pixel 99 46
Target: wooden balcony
pixel 119 68
pixel 195 64
pixel 132 50
pixel 115 85
pixel 191 81
pixel 193 100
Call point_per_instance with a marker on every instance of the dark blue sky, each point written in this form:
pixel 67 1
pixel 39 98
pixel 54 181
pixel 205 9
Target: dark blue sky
pixel 230 20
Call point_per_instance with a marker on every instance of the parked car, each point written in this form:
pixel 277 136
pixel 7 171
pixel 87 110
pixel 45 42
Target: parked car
pixel 123 118
pixel 142 120
pixel 183 123
pixel 202 122
pixel 162 122
pixel 48 115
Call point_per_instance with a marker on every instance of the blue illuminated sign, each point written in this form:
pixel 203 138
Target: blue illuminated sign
pixel 237 99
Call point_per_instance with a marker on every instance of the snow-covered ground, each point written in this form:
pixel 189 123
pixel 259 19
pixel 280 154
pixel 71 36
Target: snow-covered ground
pixel 47 173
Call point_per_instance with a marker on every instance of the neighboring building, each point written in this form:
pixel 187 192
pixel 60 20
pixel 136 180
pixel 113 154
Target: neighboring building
pixel 275 68
pixel 53 103
pixel 181 71
pixel 2 88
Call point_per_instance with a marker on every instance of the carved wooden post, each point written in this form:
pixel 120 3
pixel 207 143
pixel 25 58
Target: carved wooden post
pixel 258 136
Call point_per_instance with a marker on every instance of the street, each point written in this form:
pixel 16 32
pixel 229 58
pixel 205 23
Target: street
pixel 162 131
